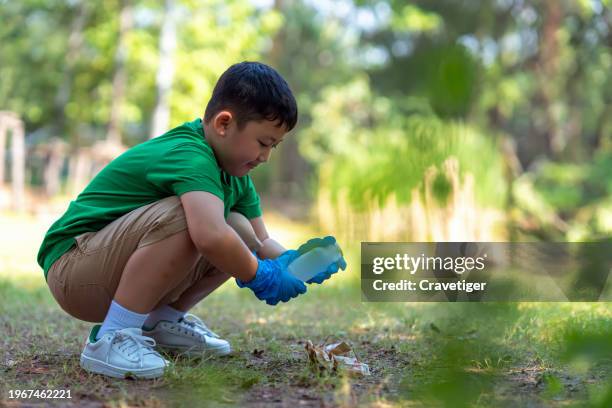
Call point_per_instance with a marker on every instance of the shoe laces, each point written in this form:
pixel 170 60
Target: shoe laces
pixel 194 321
pixel 131 343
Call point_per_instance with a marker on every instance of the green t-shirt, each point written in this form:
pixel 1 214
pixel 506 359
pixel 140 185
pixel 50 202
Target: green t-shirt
pixel 179 161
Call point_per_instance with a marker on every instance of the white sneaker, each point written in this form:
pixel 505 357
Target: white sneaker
pixel 121 354
pixel 189 336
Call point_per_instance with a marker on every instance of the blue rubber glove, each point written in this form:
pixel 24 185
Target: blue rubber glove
pixel 331 268
pixel 272 282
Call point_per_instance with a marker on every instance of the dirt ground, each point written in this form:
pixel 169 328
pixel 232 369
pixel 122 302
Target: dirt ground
pixel 419 354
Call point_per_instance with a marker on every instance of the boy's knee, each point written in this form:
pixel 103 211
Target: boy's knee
pixel 243 228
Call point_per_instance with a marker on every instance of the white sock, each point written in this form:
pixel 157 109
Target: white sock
pixel 163 313
pixel 118 317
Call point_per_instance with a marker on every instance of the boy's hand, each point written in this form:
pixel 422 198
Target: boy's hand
pixel 272 282
pixel 331 268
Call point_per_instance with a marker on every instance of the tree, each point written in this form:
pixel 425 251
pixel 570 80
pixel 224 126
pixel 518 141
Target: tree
pixel 113 133
pixel 165 70
pixel 309 50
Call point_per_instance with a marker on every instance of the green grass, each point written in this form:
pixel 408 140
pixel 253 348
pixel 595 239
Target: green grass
pixel 420 354
pixel 447 354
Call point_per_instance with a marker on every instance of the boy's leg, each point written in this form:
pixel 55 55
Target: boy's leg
pixel 169 326
pixel 199 290
pixel 167 263
pixel 212 278
pixel 152 246
pixel 154 258
pixel 85 280
pixel 140 260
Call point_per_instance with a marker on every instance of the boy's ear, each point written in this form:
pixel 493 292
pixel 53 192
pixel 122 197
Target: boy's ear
pixel 222 121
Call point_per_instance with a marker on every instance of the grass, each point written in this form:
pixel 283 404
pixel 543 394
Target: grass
pixel 434 354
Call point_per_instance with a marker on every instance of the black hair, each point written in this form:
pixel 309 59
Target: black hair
pixel 253 91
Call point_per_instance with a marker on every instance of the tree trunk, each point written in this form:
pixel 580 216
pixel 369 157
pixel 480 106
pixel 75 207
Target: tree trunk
pixel 79 170
pixel 165 71
pixel 75 42
pixel 288 176
pixel 2 150
pixel 18 168
pixel 125 25
pixel 604 130
pixel 10 122
pixel 53 167
pixel 548 65
pixel 15 125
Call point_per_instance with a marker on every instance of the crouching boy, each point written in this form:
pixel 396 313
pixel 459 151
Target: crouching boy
pixel 167 222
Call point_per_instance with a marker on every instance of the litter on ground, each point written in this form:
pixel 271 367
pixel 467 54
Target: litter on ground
pixel 337 355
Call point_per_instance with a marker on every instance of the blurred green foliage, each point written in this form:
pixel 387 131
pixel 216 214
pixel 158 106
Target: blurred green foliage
pixel 386 90
pixel 580 192
pixel 50 48
pixel 377 150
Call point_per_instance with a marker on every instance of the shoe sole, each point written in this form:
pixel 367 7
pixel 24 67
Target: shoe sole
pixel 194 352
pixel 99 367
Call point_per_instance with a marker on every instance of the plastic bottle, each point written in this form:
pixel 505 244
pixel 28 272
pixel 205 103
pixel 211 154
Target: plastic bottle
pixel 314 261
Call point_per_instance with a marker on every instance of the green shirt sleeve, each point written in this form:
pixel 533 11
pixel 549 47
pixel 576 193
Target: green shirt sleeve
pixel 249 203
pixel 186 167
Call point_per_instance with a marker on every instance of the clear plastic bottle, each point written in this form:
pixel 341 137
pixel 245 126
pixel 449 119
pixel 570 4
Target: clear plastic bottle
pixel 314 261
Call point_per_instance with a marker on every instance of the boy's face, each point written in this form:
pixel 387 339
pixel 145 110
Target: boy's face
pixel 240 151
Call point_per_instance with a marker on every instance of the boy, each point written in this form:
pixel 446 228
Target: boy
pixel 152 234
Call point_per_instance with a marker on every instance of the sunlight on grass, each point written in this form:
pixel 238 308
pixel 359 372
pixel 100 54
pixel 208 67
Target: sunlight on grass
pixel 19 242
pixel 445 352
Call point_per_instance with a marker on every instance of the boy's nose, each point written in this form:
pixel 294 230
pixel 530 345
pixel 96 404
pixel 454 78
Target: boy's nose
pixel 265 155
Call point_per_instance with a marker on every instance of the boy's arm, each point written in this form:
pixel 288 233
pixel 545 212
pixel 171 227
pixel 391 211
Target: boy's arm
pixel 214 239
pixel 270 248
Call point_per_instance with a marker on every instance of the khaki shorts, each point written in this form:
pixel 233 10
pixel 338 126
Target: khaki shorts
pixel 84 280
